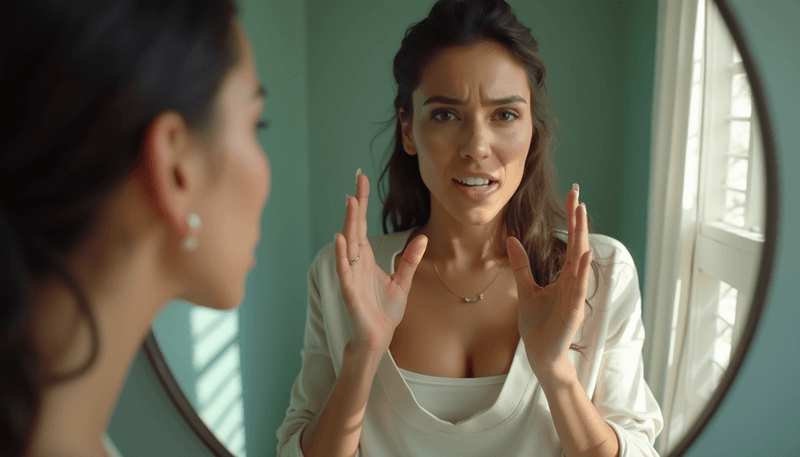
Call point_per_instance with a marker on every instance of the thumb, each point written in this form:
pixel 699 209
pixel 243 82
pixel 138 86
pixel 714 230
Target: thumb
pixel 409 263
pixel 518 259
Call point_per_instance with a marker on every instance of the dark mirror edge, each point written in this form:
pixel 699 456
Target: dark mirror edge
pixel 770 237
pixel 181 402
pixel 219 449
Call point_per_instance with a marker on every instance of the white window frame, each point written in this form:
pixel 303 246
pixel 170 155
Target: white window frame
pixel 690 248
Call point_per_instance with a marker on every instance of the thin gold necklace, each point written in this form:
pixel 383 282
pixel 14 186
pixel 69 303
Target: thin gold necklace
pixel 480 295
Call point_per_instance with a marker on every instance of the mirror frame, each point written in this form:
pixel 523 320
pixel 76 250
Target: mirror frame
pixel 179 399
pixel 219 449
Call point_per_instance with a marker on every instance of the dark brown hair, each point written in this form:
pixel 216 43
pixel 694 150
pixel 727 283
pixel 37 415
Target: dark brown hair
pixel 83 80
pixel 534 211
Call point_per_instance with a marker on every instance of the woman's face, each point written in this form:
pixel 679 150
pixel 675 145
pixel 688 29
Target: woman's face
pixel 471 121
pixel 231 213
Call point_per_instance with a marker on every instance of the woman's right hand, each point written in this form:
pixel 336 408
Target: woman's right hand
pixel 375 301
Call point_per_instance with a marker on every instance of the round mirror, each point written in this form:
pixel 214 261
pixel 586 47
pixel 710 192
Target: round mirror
pixel 697 213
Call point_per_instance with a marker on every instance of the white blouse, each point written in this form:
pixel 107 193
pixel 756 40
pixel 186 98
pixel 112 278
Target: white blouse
pixel 453 399
pixel 405 415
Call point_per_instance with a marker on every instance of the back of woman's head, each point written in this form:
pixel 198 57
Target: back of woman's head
pixel 80 82
pixel 533 210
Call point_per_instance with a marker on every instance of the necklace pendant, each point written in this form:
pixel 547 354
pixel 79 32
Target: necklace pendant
pixel 470 300
pixel 473 300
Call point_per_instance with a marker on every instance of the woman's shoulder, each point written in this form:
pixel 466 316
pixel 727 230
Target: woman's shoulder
pixel 605 246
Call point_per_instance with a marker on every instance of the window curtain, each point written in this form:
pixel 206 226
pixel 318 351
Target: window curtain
pixel 667 280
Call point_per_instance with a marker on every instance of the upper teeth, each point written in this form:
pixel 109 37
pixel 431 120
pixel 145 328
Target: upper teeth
pixel 474 181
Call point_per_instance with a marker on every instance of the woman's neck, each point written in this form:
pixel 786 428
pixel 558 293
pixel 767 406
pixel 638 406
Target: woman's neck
pixel 124 291
pixel 450 240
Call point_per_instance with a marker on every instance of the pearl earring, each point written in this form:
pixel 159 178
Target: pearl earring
pixel 190 242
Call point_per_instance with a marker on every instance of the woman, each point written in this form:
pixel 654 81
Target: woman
pixel 132 175
pixel 487 351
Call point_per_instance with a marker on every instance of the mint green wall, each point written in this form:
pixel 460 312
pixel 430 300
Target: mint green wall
pixel 351 44
pixel 638 79
pixel 581 42
pixel 273 314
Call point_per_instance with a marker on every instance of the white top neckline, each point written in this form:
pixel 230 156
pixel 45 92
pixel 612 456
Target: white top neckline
pixel 447 381
pixel 519 385
pixel 453 399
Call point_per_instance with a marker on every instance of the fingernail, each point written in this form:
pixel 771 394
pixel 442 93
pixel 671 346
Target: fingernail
pixel 583 205
pixel 358 172
pixel 575 186
pixel 346 200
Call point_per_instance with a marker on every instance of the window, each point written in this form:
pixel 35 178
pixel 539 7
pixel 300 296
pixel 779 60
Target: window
pixel 716 191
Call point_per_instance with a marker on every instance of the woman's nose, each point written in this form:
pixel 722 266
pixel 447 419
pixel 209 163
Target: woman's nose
pixel 475 140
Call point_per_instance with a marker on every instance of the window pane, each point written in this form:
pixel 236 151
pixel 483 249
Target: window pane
pixel 734 208
pixel 740 138
pixel 691 171
pixel 741 99
pixel 737 173
pixel 726 318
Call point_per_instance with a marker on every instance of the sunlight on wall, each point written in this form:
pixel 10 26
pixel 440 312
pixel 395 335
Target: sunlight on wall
pixel 217 365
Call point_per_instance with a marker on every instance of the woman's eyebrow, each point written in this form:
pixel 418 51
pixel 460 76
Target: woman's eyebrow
pixel 507 100
pixel 457 102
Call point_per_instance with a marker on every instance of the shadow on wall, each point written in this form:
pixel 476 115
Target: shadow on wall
pixel 201 346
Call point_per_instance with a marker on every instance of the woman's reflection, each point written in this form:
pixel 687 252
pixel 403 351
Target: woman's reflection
pixel 514 336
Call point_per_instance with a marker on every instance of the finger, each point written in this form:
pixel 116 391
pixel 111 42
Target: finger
pixel 350 231
pixel 582 284
pixel 571 205
pixel 581 232
pixel 342 266
pixel 520 265
pixel 362 195
pixel 573 198
pixel 409 262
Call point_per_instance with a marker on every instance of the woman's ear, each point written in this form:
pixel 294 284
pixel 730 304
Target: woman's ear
pixel 168 171
pixel 408 137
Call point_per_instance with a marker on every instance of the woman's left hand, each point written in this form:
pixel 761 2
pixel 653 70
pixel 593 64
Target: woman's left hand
pixel 550 316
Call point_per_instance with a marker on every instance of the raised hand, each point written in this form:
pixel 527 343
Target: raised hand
pixel 375 301
pixel 550 316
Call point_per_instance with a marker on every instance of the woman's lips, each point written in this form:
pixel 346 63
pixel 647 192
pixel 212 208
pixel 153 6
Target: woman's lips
pixel 477 193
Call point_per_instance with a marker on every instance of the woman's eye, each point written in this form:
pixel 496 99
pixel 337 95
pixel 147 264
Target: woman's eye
pixel 508 116
pixel 443 116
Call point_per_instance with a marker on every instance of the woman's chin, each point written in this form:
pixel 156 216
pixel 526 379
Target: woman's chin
pixel 223 302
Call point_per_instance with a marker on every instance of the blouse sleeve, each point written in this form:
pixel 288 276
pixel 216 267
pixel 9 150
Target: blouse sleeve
pixel 317 377
pixel 622 396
